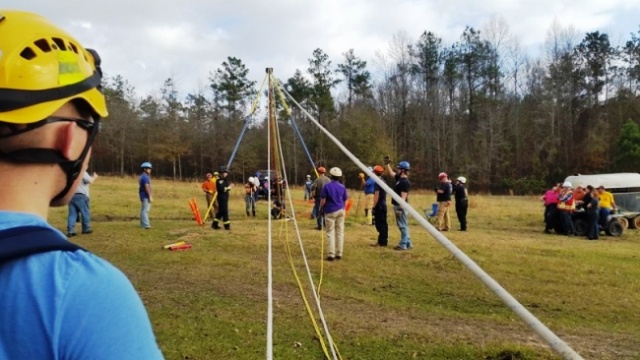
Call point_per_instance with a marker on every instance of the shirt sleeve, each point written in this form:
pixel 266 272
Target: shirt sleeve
pixel 86 178
pixel 102 316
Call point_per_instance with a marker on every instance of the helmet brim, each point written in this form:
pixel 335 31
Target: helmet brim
pixel 41 111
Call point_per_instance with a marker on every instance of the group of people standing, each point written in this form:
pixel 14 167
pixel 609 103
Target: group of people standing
pixel 444 191
pixel 376 203
pixel 562 201
pixel 331 197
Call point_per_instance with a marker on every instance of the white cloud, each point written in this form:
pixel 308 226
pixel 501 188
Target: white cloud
pixel 148 41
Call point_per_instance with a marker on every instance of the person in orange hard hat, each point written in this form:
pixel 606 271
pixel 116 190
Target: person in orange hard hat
pixel 58 300
pixel 209 188
pixel 379 209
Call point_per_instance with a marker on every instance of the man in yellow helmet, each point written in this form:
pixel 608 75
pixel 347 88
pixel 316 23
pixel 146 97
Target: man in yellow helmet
pixel 58 301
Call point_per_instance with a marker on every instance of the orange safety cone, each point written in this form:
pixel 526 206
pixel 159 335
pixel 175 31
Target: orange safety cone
pixel 348 205
pixel 194 209
pixel 195 206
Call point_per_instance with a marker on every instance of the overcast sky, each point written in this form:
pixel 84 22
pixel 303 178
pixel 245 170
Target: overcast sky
pixel 147 41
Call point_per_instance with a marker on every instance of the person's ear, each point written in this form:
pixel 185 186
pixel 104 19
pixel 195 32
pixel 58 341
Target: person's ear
pixel 67 140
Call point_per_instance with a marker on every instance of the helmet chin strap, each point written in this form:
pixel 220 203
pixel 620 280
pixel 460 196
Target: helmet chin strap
pixel 71 168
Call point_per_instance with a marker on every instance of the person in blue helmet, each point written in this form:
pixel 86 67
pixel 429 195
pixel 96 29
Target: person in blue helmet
pixel 401 187
pixel 307 188
pixel 58 300
pixel 144 190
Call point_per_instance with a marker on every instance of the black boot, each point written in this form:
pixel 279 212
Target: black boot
pixel 215 225
pixel 254 214
pixel 227 226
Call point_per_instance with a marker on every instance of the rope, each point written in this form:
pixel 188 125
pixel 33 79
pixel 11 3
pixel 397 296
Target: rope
pixel 314 292
pixel 304 298
pixel 269 258
pixel 552 339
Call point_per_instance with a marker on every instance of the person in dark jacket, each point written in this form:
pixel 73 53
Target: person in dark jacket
pixel 379 209
pixel 461 195
pixel 222 188
pixel 443 197
pixel 590 201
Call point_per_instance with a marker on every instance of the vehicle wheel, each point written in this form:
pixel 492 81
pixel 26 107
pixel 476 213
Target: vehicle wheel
pixel 635 222
pixel 581 227
pixel 614 228
pixel 624 222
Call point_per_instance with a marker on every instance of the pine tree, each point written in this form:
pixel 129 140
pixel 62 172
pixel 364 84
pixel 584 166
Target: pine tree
pixel 232 91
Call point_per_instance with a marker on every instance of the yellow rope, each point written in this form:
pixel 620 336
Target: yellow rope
pixel 284 226
pixel 282 99
pixel 254 105
pixel 319 334
pixel 302 293
pixel 321 260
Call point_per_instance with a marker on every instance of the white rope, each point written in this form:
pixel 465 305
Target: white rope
pixel 552 339
pixel 304 256
pixel 269 255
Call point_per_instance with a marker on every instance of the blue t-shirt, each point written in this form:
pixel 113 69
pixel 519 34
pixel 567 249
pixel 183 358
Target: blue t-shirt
pixel 369 186
pixel 144 179
pixel 69 305
pixel 335 195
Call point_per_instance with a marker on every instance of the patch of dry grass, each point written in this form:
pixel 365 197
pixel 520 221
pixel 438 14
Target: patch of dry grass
pixel 210 302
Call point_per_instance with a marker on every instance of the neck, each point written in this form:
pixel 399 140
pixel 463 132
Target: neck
pixel 29 189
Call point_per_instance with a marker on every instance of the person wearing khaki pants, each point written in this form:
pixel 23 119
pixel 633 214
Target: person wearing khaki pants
pixel 332 205
pixel 443 197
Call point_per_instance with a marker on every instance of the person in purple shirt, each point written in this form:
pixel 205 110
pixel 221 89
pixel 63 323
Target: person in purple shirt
pixel 332 204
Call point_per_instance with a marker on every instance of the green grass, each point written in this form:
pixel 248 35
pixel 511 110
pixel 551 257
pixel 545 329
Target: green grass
pixel 210 302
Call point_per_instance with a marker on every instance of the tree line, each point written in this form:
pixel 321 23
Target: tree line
pixel 480 107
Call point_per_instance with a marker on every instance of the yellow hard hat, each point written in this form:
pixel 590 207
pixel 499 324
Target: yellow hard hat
pixel 42 67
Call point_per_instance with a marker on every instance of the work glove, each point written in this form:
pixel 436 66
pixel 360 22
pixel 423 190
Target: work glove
pixel 387 160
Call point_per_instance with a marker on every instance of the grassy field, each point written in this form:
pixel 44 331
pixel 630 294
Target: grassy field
pixel 210 302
